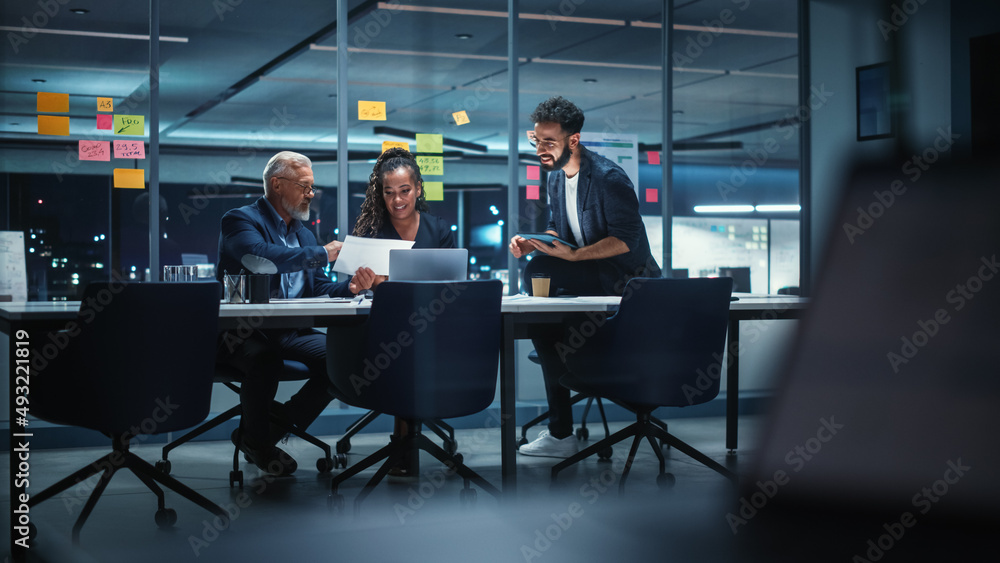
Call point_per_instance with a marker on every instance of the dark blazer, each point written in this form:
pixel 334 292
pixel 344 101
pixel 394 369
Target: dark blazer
pixel 433 232
pixel 608 207
pixel 249 241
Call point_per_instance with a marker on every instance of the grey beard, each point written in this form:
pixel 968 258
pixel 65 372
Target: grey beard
pixel 296 213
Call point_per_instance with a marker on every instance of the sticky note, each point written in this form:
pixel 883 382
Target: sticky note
pixel 427 142
pixel 654 157
pixel 105 104
pixel 129 125
pixel 434 191
pixel 532 192
pixel 130 149
pixel 53 125
pixel 371 111
pixel 130 178
pixel 386 145
pixel 460 117
pixel 533 172
pixel 430 165
pixel 95 150
pixel 105 121
pixel 52 103
pixel 652 195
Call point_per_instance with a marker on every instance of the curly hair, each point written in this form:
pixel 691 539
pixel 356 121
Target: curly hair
pixel 559 110
pixel 373 210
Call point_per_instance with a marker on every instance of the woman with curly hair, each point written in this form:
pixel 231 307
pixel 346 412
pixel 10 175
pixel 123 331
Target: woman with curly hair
pixel 395 208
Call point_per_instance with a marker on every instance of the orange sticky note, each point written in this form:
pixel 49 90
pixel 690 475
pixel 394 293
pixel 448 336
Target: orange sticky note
pixel 53 103
pixel 533 172
pixel 105 121
pixel 105 104
pixel 652 195
pixel 130 149
pixel 532 192
pixel 130 178
pixel 371 111
pixel 460 117
pixel 386 145
pixel 94 150
pixel 434 191
pixel 53 125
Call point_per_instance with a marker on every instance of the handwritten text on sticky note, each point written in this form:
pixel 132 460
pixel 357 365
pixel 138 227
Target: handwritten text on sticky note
pixel 427 142
pixel 386 145
pixel 129 124
pixel 130 149
pixel 460 117
pixel 430 165
pixel 95 150
pixel 105 104
pixel 371 111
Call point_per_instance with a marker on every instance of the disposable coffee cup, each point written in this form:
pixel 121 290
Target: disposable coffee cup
pixel 540 285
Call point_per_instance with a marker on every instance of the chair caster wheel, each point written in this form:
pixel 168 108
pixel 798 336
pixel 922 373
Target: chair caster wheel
pixel 605 454
pixel 166 517
pixel 340 460
pixel 582 434
pixel 459 458
pixel 163 466
pixel 664 445
pixel 521 441
pixel 325 464
pixel 236 478
pixel 343 446
pixel 665 480
pixel 335 502
pixel 467 497
pixel 451 448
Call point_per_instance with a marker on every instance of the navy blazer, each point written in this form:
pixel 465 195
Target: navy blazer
pixel 249 241
pixel 433 232
pixel 607 207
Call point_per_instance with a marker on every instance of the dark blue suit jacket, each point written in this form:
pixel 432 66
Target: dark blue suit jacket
pixel 249 241
pixel 608 207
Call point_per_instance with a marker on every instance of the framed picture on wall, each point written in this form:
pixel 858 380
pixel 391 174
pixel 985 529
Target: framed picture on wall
pixel 874 89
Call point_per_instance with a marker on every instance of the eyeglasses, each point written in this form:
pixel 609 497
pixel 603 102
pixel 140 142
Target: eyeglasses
pixel 548 145
pixel 306 189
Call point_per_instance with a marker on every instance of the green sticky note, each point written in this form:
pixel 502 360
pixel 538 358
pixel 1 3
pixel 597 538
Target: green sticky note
pixel 427 142
pixel 430 165
pixel 129 125
pixel 434 191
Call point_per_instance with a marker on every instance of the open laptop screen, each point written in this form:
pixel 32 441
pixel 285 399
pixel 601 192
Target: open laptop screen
pixel 429 264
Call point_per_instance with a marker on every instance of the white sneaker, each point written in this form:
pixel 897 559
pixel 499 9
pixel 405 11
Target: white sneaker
pixel 547 446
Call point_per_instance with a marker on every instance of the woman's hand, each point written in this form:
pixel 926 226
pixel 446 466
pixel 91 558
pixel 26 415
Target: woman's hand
pixel 362 280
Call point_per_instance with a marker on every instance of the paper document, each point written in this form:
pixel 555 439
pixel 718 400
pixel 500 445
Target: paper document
pixel 370 252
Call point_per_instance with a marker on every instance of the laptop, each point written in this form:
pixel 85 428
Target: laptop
pixel 429 264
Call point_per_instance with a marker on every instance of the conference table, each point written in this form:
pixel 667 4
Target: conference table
pixel 520 315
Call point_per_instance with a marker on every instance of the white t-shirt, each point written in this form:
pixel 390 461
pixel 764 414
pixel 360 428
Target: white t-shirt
pixel 572 213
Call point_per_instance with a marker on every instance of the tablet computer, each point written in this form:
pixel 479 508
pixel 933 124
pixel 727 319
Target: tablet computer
pixel 546 238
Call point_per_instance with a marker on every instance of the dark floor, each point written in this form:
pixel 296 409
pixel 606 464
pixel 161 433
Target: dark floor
pixel 420 519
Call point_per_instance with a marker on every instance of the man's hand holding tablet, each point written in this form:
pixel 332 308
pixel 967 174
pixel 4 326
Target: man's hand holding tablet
pixel 524 243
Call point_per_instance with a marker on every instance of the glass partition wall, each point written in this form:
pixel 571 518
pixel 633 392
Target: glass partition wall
pixel 239 81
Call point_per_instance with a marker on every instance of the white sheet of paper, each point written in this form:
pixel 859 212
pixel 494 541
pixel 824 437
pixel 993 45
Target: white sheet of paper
pixel 370 252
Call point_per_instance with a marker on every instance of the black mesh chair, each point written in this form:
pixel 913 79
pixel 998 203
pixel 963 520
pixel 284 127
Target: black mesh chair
pixel 139 360
pixel 231 377
pixel 654 353
pixel 441 364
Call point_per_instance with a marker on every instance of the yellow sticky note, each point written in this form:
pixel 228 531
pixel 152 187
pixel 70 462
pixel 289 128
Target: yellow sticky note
pixel 460 117
pixel 130 178
pixel 430 165
pixel 105 104
pixel 434 191
pixel 129 125
pixel 53 125
pixel 371 111
pixel 427 142
pixel 52 103
pixel 386 145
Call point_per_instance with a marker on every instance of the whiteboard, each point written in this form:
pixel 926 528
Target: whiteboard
pixel 13 275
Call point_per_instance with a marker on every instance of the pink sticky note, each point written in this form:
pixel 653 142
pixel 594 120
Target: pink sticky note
pixel 533 173
pixel 105 120
pixel 130 149
pixel 532 192
pixel 95 150
pixel 652 195
pixel 654 157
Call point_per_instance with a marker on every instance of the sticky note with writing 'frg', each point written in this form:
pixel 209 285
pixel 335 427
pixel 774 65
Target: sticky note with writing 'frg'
pixel 52 103
pixel 129 124
pixel 130 178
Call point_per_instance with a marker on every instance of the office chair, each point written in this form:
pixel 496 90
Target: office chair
pixel 231 377
pixel 138 361
pixel 654 352
pixel 431 350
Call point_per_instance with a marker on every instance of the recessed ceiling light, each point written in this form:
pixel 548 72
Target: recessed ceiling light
pixel 463 36
pixel 590 80
pixel 38 80
pixel 80 11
